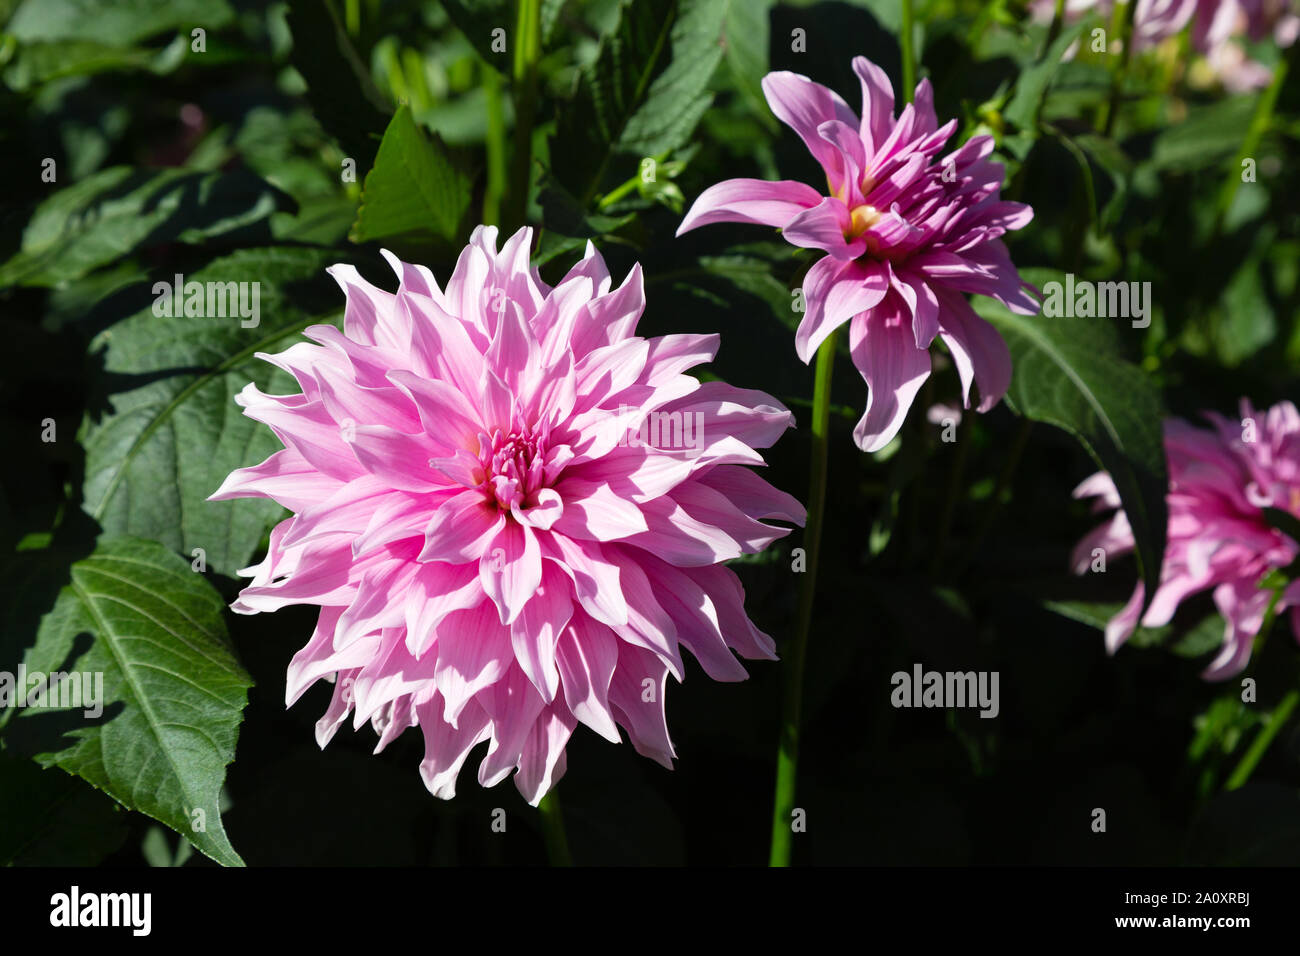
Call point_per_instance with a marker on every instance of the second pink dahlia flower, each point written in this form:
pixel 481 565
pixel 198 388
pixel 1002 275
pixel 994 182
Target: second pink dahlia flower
pixel 906 233
pixel 1219 538
pixel 512 511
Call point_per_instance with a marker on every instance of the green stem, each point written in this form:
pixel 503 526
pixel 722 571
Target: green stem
pixel 1058 20
pixel 496 148
pixel 528 49
pixel 1260 744
pixel 557 842
pixel 909 56
pixel 1259 124
pixel 1106 121
pixel 787 761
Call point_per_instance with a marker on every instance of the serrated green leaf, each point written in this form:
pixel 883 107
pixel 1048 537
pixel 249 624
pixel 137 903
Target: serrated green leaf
pixel 645 92
pixel 173 431
pixel 1070 372
pixel 173 691
pixel 414 188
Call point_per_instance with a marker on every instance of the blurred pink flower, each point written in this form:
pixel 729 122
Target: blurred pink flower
pixel 1219 482
pixel 906 233
pixel 496 553
pixel 1217 28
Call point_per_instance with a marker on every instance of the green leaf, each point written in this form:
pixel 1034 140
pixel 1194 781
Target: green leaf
pixel 120 210
pixel 1031 88
pixel 114 22
pixel 173 431
pixel 43 61
pixel 339 86
pixel 1209 135
pixel 746 29
pixel 173 690
pixel 1070 372
pixel 644 93
pixel 414 189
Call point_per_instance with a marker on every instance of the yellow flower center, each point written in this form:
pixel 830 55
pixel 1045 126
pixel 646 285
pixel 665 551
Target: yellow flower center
pixel 863 218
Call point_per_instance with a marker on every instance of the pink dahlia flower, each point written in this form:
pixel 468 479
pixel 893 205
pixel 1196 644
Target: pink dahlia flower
pixel 1219 482
pixel 906 232
pixel 497 554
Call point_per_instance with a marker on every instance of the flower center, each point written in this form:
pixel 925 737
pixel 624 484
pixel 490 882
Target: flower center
pixel 513 468
pixel 862 218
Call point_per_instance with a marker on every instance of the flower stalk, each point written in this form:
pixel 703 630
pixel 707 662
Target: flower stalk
pixel 787 765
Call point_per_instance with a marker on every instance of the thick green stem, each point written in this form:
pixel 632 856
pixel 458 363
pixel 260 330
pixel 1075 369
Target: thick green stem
pixel 909 57
pixel 557 842
pixel 1260 744
pixel 528 49
pixel 787 760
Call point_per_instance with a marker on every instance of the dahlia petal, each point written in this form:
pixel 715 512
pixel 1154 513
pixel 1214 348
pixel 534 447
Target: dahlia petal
pixel 610 319
pixel 435 593
pixel 510 570
pixel 474 653
pixel 447 744
pixel 923 304
pixel 400 459
pixel 596 580
pixel 1243 605
pixel 877 103
pixel 461 529
pixel 593 512
pixel 804 106
pixel 636 696
pixel 885 353
pixel 285 477
pixel 728 597
pixel 537 630
pixel 586 656
pixel 750 493
pixel 1120 627
pixel 541 764
pixel 696 620
pixel 979 352
pixel 757 202
pixel 514 706
pixel 836 291
pixel 824 227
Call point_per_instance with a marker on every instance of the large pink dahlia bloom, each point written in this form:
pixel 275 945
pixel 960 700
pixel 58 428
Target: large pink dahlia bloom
pixel 906 232
pixel 1220 481
pixel 497 553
